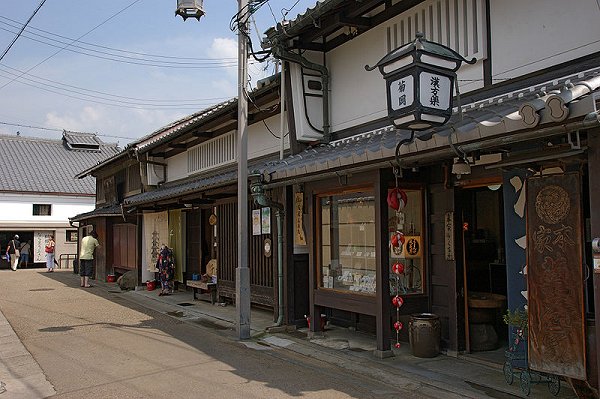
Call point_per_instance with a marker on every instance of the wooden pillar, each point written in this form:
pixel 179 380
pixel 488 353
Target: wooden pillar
pixel 594 190
pixel 382 264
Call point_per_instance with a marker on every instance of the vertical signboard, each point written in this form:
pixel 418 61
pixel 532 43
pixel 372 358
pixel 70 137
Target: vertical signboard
pixel 555 275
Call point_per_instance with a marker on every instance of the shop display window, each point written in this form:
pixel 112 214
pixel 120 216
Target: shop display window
pixel 347 242
pixel 406 241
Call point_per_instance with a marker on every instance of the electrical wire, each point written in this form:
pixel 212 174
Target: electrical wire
pixel 133 60
pixel 40 80
pixel 61 130
pixel 85 34
pixel 22 29
pixel 30 29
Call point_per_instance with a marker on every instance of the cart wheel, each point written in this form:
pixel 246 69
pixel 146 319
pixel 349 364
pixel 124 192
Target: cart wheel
pixel 525 382
pixel 508 372
pixel 554 385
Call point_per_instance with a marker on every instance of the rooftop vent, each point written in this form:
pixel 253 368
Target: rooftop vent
pixel 81 141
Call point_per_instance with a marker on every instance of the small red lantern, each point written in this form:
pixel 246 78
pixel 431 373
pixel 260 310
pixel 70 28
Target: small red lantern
pixel 398 326
pixel 397 345
pixel 398 268
pixel 397 199
pixel 397 239
pixel 397 301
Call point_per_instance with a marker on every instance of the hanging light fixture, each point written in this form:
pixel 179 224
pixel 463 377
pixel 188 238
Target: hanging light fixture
pixel 461 167
pixel 190 8
pixel 419 80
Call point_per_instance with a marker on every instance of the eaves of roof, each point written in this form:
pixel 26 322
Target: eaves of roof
pixel 184 125
pixel 107 211
pixel 180 126
pixel 176 189
pixel 571 98
pixel 295 26
pixel 117 157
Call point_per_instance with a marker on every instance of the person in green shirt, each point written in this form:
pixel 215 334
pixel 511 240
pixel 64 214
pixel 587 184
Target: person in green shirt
pixel 89 244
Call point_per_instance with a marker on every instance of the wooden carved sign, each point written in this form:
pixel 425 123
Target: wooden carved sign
pixel 555 275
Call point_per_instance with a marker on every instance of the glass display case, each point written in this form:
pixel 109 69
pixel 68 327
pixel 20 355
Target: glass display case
pixel 347 242
pixel 405 227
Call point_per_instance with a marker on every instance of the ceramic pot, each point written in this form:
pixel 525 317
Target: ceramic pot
pixel 424 334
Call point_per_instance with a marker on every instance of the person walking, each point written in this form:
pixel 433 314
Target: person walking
pixel 49 249
pixel 25 248
pixel 89 244
pixel 13 250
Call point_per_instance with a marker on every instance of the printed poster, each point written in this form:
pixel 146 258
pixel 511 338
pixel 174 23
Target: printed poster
pixel 156 234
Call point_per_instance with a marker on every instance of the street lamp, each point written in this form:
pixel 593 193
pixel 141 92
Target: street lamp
pixel 190 8
pixel 419 80
pixel 242 276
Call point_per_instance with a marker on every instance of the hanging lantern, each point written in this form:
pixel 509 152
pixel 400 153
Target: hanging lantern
pixel 398 326
pixel 190 8
pixel 419 80
pixel 397 199
pixel 397 239
pixel 398 268
pixel 397 301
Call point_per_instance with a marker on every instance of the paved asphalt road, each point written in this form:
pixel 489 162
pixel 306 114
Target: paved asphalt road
pixel 93 343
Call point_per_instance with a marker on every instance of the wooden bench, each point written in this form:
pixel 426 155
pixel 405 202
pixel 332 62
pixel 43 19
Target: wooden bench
pixel 203 286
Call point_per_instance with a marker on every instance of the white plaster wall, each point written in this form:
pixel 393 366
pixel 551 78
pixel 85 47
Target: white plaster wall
pixel 536 34
pixel 526 36
pixel 358 96
pixel 19 208
pixel 261 142
pixel 177 167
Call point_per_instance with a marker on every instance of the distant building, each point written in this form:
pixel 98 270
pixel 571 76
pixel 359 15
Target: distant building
pixel 38 190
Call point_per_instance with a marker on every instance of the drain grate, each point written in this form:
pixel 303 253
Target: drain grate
pixel 185 304
pixel 115 292
pixel 176 313
pixel 41 289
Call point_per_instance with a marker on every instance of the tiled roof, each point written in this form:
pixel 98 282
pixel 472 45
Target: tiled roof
pixel 107 211
pixel 42 165
pixel 173 190
pixel 553 102
pixel 165 133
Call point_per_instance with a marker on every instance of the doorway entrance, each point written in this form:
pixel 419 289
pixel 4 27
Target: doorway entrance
pixel 484 269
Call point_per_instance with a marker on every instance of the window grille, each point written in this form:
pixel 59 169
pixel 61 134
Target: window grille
pixel 458 24
pixel 212 153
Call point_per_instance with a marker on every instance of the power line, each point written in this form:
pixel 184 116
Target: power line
pixel 131 60
pixel 61 130
pixel 42 80
pixel 88 32
pixel 114 103
pixel 22 29
pixel 30 29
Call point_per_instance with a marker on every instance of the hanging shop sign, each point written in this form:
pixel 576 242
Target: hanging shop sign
pixel 419 80
pixel 412 247
pixel 299 237
pixel 449 236
pixel 555 279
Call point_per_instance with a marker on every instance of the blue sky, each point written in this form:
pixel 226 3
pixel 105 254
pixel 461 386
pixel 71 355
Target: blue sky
pixel 47 82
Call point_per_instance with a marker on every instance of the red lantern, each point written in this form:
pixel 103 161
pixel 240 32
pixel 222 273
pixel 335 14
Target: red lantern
pixel 398 326
pixel 398 268
pixel 397 345
pixel 397 239
pixel 397 301
pixel 397 199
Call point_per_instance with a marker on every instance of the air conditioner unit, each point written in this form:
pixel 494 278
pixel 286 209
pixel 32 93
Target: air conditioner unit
pixel 155 174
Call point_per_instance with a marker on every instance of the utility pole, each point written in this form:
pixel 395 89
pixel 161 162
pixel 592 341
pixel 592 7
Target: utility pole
pixel 194 9
pixel 242 273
